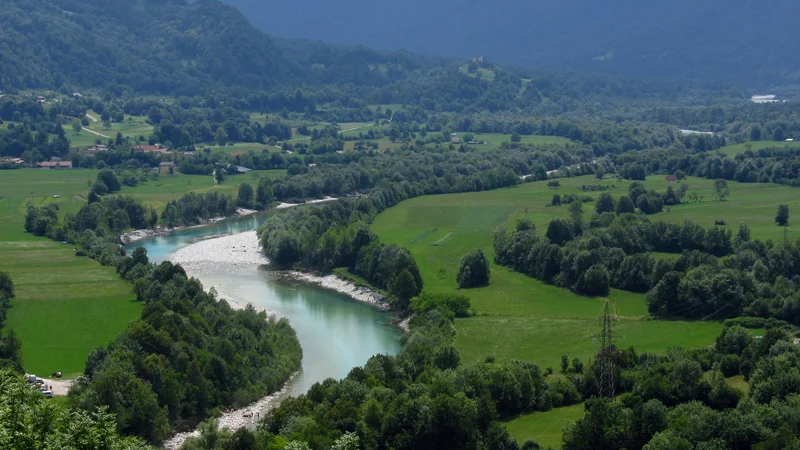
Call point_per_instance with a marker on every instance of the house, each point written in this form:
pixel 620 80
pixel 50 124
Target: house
pixel 151 149
pixel 55 165
pixel 166 164
pixel 77 95
pixel 671 178
pixel 455 140
pixel 234 169
pixel 13 161
pixel 96 149
pixel 311 166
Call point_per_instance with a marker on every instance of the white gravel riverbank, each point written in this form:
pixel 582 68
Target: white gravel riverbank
pixel 243 249
pixel 236 419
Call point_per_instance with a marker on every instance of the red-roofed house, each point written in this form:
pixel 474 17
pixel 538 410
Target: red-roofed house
pixel 671 178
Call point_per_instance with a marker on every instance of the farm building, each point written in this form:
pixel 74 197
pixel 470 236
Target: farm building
pixel 55 165
pixel 671 178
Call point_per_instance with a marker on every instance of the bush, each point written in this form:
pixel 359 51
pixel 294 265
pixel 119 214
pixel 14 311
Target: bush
pixel 474 270
pixel 458 304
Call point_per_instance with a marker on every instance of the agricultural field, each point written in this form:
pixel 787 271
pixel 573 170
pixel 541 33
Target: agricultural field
pixel 518 317
pixel 157 193
pixel 735 149
pixel 65 305
pixel 544 427
pixel 132 127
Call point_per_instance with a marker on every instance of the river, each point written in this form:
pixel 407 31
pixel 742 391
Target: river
pixel 336 333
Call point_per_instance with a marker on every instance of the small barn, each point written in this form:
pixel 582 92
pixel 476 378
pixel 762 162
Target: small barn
pixel 671 178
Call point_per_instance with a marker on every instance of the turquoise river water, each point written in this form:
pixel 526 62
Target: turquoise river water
pixel 336 332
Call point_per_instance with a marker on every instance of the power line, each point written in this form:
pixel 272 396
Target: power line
pixel 606 356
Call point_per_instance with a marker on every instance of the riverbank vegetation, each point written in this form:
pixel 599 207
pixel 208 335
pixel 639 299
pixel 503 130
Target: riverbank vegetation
pixel 186 358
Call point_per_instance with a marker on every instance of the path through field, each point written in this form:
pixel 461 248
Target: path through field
pixel 91 117
pixel 95 133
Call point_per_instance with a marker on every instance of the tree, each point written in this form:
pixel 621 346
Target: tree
pixel 221 137
pixel 625 205
pixel 553 184
pixel 245 196
pixel 264 194
pixel 219 175
pixel 782 218
pixel 721 189
pixel 556 201
pixel 403 289
pixel 605 203
pixel 76 127
pixel 109 178
pixel 600 174
pixel 474 270
pixel 515 137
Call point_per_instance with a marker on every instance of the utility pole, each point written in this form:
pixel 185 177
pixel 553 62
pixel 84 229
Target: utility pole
pixel 606 357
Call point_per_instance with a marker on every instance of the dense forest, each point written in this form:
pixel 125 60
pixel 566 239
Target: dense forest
pixel 9 344
pixel 714 41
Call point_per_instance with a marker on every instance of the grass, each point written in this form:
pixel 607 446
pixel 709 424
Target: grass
pixel 544 427
pixel 65 305
pixel 738 382
pixel 132 126
pixel 733 150
pixel 523 318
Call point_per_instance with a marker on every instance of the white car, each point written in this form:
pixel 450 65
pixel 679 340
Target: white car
pixel 48 394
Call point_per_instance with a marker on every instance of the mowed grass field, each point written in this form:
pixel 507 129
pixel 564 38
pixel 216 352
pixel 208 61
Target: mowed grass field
pixel 65 305
pixel 735 149
pixel 519 317
pixel 544 427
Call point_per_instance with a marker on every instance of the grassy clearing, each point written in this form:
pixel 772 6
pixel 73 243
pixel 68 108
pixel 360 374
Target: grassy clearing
pixel 544 427
pixel 66 305
pixel 733 150
pixel 157 193
pixel 520 317
pixel 132 127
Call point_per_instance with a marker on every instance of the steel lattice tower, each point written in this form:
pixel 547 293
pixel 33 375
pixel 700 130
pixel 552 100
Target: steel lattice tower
pixel 606 357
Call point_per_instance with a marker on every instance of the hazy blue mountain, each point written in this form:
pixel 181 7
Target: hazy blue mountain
pixel 743 40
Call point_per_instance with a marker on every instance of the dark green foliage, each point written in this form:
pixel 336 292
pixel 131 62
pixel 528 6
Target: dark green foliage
pixel 594 282
pixel 625 205
pixel 474 270
pixel 782 218
pixel 108 178
pixel 9 343
pixel 458 304
pixel 187 355
pixel 605 203
pixel 245 196
pixel 193 208
pixel 32 421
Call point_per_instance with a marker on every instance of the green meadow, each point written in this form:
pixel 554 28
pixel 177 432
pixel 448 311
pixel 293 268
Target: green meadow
pixel 544 427
pixel 735 149
pixel 65 305
pixel 518 317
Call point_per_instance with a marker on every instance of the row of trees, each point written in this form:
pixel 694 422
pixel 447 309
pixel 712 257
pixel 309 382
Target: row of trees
pixel 715 276
pixel 10 357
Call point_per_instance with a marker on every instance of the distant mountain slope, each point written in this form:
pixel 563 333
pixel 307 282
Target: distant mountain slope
pixel 165 46
pixel 732 40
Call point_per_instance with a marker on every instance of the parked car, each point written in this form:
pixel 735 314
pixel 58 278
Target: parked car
pixel 48 394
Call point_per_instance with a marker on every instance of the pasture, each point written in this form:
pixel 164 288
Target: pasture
pixel 132 127
pixel 65 305
pixel 519 317
pixel 544 427
pixel 735 149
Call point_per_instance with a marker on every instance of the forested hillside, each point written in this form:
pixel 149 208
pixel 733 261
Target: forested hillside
pixel 712 40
